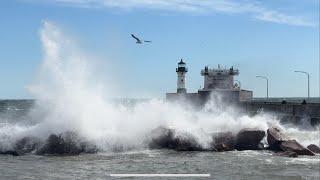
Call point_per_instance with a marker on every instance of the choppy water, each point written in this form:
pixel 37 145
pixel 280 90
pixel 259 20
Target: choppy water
pixel 226 165
pixel 223 165
pixel 70 97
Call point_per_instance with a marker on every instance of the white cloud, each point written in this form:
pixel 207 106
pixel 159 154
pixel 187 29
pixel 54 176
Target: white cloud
pixel 251 8
pixel 273 16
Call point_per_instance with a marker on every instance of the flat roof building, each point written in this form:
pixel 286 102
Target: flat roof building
pixel 218 81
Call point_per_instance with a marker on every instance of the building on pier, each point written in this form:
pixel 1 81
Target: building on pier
pixel 219 81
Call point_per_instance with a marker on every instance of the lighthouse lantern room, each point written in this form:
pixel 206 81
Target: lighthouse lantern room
pixel 181 73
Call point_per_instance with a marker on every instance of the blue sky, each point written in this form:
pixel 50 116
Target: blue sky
pixel 271 38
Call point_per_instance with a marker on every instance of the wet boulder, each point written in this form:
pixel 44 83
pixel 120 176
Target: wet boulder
pixel 186 142
pixel 249 139
pixel 65 144
pixel 223 141
pixel 314 148
pixel 275 137
pixel 55 144
pixel 294 146
pixel 161 138
pixel 286 154
pixel 164 138
pixel 22 146
pixel 27 144
pixel 10 152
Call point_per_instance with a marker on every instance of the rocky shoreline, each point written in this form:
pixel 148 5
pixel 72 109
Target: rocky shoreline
pixel 69 143
pixel 246 139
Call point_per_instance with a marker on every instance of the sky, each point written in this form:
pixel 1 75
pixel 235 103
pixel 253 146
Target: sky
pixel 269 38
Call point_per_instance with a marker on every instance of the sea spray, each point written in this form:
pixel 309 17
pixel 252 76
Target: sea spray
pixel 71 99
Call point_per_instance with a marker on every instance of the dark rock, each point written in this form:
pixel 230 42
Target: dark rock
pixel 280 142
pixel 275 137
pixel 27 144
pixel 286 154
pixel 294 146
pixel 186 142
pixel 10 152
pixel 314 148
pixel 65 144
pixel 168 139
pixel 223 141
pixel 54 145
pixel 161 138
pixel 249 139
pixel 22 146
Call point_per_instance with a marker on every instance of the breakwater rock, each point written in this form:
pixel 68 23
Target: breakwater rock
pixel 250 139
pixel 223 141
pixel 294 146
pixel 246 139
pixel 68 143
pixel 314 148
pixel 279 142
pixel 169 139
pixel 275 137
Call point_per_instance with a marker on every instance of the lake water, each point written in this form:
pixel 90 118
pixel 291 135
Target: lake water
pixel 15 115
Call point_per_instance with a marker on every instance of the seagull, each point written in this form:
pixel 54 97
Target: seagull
pixel 139 41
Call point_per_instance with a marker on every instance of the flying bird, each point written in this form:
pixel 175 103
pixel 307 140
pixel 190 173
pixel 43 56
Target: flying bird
pixel 139 41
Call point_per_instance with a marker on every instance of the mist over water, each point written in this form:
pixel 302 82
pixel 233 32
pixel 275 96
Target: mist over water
pixel 70 98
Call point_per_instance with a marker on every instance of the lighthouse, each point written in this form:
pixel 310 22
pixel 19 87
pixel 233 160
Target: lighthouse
pixel 218 81
pixel 181 73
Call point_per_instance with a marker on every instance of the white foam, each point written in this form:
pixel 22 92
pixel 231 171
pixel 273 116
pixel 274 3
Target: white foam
pixel 70 98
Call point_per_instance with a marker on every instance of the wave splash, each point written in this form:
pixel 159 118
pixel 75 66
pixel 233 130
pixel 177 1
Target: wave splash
pixel 70 99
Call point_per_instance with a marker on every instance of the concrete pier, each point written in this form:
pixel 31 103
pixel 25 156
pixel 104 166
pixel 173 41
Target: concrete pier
pixel 219 84
pixel 286 111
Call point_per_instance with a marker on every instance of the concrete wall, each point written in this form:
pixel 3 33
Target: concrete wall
pixel 245 95
pixel 218 82
pixel 292 112
pixel 200 98
pixel 287 112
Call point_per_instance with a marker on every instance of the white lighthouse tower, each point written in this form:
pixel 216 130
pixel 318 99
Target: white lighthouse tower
pixel 181 72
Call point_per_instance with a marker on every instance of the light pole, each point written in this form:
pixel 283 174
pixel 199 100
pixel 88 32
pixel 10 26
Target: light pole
pixel 308 75
pixel 263 77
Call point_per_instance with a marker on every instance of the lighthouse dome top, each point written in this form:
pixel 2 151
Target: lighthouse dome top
pixel 181 62
pixel 182 67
